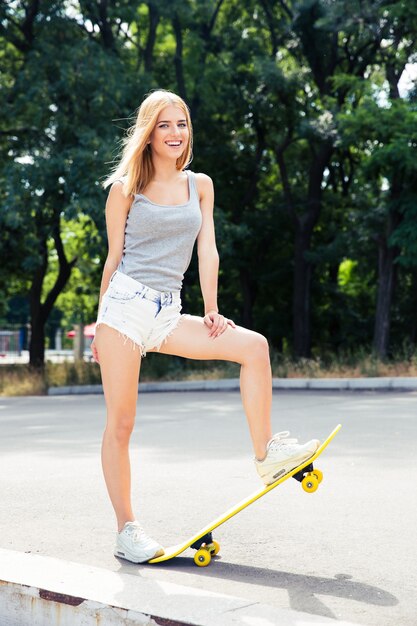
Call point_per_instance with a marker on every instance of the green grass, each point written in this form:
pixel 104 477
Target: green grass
pixel 20 380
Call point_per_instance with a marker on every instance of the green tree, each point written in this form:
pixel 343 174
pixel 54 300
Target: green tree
pixel 311 168
pixel 59 146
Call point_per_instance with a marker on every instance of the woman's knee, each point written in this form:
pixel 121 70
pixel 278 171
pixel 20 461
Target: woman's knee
pixel 258 349
pixel 120 427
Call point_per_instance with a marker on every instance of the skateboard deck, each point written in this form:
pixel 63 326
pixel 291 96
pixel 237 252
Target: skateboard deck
pixel 203 542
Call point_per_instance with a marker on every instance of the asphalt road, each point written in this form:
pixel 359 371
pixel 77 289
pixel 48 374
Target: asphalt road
pixel 347 551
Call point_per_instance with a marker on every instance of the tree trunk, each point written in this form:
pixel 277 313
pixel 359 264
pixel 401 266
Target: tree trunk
pixel 301 293
pixel 387 271
pixel 79 342
pixel 387 254
pixel 413 322
pixel 37 323
pixel 304 227
pixel 248 298
pixel 37 343
pixel 39 311
pixel 151 38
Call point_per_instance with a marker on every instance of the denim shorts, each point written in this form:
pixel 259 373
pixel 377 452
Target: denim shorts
pixel 140 313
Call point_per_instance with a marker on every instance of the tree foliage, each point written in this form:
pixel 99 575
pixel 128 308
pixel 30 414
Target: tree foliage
pixel 298 118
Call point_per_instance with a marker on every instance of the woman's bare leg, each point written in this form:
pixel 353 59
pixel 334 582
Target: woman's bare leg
pixel 120 366
pixel 190 340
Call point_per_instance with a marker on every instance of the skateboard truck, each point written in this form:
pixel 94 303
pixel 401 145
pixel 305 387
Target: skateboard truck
pixel 309 478
pixel 300 475
pixel 207 539
pixel 206 548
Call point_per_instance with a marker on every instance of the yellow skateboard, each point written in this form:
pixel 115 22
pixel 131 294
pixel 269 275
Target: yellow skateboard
pixel 203 542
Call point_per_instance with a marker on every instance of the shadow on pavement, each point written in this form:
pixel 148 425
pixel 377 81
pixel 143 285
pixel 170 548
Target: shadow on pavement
pixel 302 589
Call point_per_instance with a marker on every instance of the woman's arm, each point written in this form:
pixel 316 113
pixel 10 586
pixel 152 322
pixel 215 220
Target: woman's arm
pixel 117 209
pixel 208 259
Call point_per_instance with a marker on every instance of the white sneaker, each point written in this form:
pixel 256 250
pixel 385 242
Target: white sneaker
pixel 134 545
pixel 283 455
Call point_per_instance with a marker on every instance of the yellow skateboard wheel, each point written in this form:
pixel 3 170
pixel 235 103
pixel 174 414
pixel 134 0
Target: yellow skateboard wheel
pixel 202 557
pixel 214 547
pixel 318 474
pixel 310 483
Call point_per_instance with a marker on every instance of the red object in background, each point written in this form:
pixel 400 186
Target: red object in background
pixel 88 331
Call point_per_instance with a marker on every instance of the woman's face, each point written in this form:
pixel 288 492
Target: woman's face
pixel 170 136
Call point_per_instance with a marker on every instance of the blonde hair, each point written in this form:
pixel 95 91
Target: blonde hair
pixel 135 164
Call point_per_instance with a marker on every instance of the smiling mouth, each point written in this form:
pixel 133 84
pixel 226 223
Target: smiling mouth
pixel 174 145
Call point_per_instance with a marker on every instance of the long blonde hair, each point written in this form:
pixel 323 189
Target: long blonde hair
pixel 135 166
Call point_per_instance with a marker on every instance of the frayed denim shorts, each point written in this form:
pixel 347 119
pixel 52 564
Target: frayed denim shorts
pixel 140 313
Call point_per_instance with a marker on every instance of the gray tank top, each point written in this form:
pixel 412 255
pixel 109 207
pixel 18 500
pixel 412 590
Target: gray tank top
pixel 159 239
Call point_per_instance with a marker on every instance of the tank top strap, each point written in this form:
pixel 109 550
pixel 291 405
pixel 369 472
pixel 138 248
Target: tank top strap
pixel 193 185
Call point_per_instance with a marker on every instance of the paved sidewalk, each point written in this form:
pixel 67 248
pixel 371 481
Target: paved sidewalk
pixel 37 590
pixel 343 553
pixel 399 383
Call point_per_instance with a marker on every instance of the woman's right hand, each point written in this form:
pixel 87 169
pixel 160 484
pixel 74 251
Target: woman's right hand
pixel 94 350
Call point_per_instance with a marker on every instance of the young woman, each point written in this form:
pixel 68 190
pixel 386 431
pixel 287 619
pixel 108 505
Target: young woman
pixel 155 211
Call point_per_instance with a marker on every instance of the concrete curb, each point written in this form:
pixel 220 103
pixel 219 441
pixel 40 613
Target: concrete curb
pixel 400 383
pixel 37 590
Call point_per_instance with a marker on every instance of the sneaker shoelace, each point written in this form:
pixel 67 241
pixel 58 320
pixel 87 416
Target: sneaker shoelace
pixel 136 532
pixel 281 440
